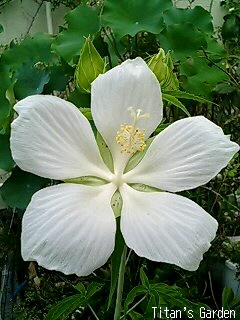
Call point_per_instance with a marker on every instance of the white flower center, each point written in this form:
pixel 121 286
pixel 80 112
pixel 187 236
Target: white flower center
pixel 117 179
pixel 130 138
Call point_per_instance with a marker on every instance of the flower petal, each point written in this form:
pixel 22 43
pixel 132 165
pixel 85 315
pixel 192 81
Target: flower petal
pixel 187 154
pixel 131 84
pixel 70 228
pixel 166 227
pixel 51 138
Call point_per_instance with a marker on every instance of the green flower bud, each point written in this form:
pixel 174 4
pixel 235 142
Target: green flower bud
pixel 89 66
pixel 162 66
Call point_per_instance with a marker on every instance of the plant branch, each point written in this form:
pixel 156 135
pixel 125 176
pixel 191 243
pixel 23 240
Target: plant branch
pixel 134 306
pixel 34 17
pixel 232 79
pixel 93 312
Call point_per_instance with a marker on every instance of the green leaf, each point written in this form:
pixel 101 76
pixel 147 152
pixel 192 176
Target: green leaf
pixel 130 17
pixel 227 297
pixel 174 101
pixel 224 88
pixel 6 160
pixel 174 36
pixel 133 294
pixel 173 297
pixel 80 288
pixel 30 81
pixel 82 22
pixel 5 109
pixel 198 16
pixel 135 315
pixel 189 96
pixel 58 80
pixel 93 288
pixel 19 188
pixel 231 26
pixel 201 77
pixel 115 262
pixel 64 308
pixel 144 278
pixel 36 48
pixel 81 100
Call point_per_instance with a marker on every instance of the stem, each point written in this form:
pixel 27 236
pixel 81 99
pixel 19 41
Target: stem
pixel 134 306
pixel 118 306
pixel 93 312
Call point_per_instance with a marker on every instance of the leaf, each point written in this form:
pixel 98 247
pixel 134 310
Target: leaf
pixel 5 109
pixel 231 26
pixel 174 36
pixel 19 188
pixel 135 292
pixel 115 262
pixel 173 297
pixel 92 289
pixel 30 81
pixel 227 297
pixel 80 288
pixel 81 100
pixel 201 77
pixel 64 308
pixel 6 160
pixel 36 48
pixel 130 17
pixel 135 316
pixel 174 101
pixel 82 22
pixel 58 80
pixel 186 95
pixel 144 278
pixel 224 88
pixel 198 16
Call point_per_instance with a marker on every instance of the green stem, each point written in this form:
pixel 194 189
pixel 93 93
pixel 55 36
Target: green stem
pixel 118 306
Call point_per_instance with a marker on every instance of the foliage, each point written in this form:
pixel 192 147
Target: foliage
pixel 207 76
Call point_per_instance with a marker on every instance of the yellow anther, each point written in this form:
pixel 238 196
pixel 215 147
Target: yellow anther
pixel 130 139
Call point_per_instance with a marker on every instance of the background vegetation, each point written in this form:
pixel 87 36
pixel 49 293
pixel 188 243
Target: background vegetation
pixel 206 64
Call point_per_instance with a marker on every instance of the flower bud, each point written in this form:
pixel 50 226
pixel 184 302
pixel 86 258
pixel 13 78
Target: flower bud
pixel 162 66
pixel 89 66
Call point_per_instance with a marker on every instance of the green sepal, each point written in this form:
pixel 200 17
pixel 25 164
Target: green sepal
pixel 105 152
pixel 144 188
pixel 116 204
pixel 87 180
pixel 90 65
pixel 137 157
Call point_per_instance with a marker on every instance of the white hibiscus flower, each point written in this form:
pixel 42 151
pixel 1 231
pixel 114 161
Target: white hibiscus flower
pixel 71 227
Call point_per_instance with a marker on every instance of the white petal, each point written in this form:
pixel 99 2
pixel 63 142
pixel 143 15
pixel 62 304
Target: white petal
pixel 131 84
pixel 51 138
pixel 187 154
pixel 166 227
pixel 70 228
